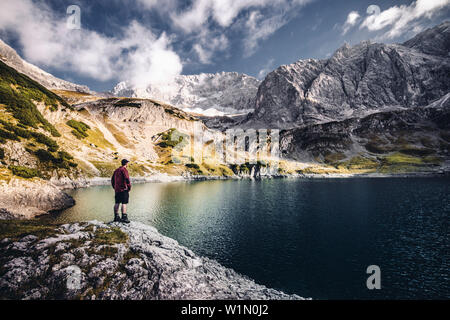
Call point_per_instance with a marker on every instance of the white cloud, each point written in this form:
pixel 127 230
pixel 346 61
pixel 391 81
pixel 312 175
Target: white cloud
pixel 223 12
pixel 266 16
pixel 209 43
pixel 352 18
pixel 260 28
pixel 137 54
pixel 398 19
pixel 266 69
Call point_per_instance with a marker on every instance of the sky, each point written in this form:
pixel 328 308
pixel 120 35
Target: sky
pixel 100 43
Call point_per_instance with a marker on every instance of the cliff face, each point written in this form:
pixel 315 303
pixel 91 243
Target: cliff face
pixel 112 261
pixel 391 141
pixel 355 82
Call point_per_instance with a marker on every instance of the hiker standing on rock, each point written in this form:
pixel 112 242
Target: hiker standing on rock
pixel 121 183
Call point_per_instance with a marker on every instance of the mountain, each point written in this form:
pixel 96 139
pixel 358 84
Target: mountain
pixel 415 139
pixel 207 94
pixel 355 82
pixel 9 56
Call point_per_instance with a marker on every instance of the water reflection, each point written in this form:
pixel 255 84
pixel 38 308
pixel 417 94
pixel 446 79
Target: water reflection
pixel 311 237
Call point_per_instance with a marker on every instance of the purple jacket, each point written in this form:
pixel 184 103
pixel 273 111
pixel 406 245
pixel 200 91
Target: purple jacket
pixel 120 180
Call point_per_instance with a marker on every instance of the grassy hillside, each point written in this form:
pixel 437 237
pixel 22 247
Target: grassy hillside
pixel 23 124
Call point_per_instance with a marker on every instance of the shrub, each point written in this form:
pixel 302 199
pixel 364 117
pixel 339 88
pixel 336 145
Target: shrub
pixel 128 102
pixel 192 165
pixel 73 164
pixel 79 127
pixel 65 155
pixel 60 162
pixel 44 155
pixel 79 135
pixel 19 131
pixel 49 142
pixel 8 135
pixel 2 153
pixel 24 172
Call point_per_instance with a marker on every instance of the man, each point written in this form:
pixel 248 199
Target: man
pixel 122 186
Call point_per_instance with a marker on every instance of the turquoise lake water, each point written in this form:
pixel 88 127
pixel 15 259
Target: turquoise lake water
pixel 312 237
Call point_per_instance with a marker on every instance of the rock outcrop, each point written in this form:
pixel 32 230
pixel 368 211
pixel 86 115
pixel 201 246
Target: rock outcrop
pixel 25 199
pixel 113 261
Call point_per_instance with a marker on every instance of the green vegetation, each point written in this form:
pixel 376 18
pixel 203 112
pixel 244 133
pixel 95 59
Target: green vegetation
pixel 334 157
pixel 359 163
pixel 173 138
pixel 17 229
pixel 414 151
pixel 16 130
pixel 17 93
pixel 399 162
pixel 8 135
pixel 2 153
pixel 51 144
pixel 61 161
pixel 128 102
pixel 175 112
pixel 97 138
pixel 79 128
pixel 400 158
pixel 24 172
pixel 109 236
pixel 192 166
pixel 107 251
pixel 13 132
pixel 242 168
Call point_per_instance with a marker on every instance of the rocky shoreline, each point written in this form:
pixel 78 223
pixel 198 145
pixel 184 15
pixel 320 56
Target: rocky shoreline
pixel 94 260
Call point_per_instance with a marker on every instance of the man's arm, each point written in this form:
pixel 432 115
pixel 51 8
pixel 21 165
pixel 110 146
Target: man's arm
pixel 127 179
pixel 113 179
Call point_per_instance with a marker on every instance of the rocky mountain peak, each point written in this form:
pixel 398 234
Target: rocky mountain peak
pixel 210 94
pixel 356 81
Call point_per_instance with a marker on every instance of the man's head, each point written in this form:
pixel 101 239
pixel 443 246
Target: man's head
pixel 125 162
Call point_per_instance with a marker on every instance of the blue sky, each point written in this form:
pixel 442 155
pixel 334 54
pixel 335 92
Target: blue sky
pixel 151 41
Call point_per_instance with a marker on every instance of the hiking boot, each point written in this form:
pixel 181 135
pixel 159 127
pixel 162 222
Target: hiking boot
pixel 117 218
pixel 125 218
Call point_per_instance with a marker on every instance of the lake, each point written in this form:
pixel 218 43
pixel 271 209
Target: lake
pixel 312 237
